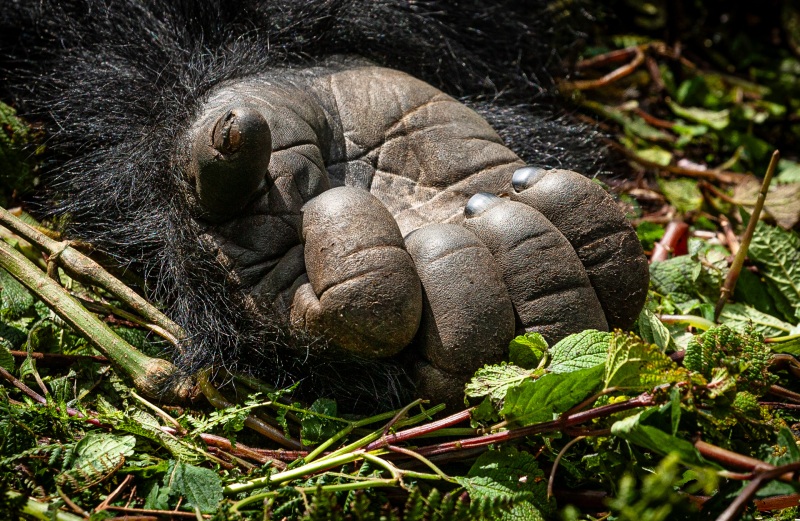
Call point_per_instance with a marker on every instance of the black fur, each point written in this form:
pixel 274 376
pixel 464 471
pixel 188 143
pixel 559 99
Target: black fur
pixel 114 81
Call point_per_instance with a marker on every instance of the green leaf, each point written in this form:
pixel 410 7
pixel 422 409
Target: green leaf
pixel 15 300
pixel 718 120
pixel 788 172
pixel 652 330
pixel 536 401
pixel 315 428
pixel 739 317
pixel 494 380
pixel 682 193
pixel 201 487
pixel 527 350
pixel 790 346
pixel 6 358
pixel 635 364
pixel 510 475
pixel 649 233
pixel 579 351
pixel 655 155
pixel 777 252
pixel 751 289
pixel 651 438
pixel 98 451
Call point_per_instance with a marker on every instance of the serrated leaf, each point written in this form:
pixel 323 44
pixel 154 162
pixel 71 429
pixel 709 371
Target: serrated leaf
pixel 494 380
pixel 753 290
pixel 201 487
pixel 510 475
pixel 527 350
pixel 777 252
pixel 15 300
pixel 635 364
pixel 651 438
pixel 652 330
pixel 688 278
pixel 740 316
pixel 6 358
pixel 143 424
pixel 97 451
pixel 536 401
pixel 314 428
pixel 579 351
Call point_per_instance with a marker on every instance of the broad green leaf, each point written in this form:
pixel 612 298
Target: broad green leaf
pixel 753 290
pixel 536 401
pixel 740 316
pixel 579 351
pixel 527 350
pixel 633 363
pixel 99 451
pixel 652 330
pixel 511 475
pixel 682 193
pixel 688 279
pixel 717 120
pixel 494 380
pixel 651 438
pixel 777 252
pixel 201 488
pixel 15 300
pixel 315 428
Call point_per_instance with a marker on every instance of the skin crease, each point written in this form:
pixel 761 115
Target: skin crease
pixel 322 191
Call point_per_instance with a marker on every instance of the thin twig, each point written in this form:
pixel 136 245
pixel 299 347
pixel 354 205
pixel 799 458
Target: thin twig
pixel 735 509
pixel 616 74
pixel 116 492
pixel 561 453
pixel 738 260
pixel 217 400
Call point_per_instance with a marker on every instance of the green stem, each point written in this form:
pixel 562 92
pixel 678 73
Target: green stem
pixel 216 399
pixel 344 432
pixel 289 475
pixel 82 268
pixel 691 320
pixel 42 511
pixel 148 374
pixel 341 487
pixel 738 261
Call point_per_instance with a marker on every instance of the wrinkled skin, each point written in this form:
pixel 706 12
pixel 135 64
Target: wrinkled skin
pixel 344 197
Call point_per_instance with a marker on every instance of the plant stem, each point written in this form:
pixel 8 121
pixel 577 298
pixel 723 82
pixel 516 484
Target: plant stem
pixel 82 268
pixel 738 260
pixel 341 487
pixel 42 511
pixel 218 401
pixel 148 374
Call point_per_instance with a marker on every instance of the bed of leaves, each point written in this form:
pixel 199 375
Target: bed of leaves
pixel 686 417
